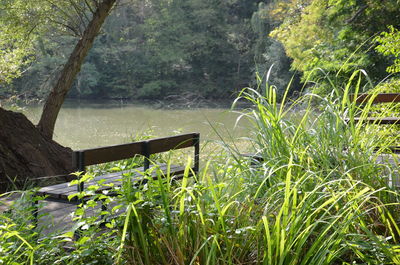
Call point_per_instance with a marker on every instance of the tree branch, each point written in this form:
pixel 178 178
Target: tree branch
pixel 356 15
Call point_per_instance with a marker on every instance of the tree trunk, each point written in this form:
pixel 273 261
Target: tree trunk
pixel 25 154
pixel 57 95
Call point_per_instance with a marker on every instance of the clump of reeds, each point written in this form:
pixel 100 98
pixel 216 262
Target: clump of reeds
pixel 318 196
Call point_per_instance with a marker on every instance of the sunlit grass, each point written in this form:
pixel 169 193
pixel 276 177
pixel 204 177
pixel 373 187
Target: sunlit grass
pixel 318 197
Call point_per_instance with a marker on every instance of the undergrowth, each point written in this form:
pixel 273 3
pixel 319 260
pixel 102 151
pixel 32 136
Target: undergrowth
pixel 317 197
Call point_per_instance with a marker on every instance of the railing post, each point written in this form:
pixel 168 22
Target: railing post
pixel 78 158
pixel 146 154
pixel 80 162
pixel 196 152
pixel 35 211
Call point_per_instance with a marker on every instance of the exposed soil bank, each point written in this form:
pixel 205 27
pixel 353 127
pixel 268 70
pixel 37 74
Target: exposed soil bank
pixel 25 154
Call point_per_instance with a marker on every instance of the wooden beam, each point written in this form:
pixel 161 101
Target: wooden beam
pixel 379 120
pixel 111 153
pixel 378 98
pixel 165 144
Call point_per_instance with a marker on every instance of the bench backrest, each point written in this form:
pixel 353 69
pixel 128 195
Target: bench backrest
pixel 159 145
pixel 87 157
pixel 378 98
pixel 106 154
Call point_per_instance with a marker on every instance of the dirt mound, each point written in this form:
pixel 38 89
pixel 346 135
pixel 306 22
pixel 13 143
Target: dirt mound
pixel 25 154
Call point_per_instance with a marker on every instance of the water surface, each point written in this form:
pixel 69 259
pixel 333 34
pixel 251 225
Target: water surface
pixel 86 124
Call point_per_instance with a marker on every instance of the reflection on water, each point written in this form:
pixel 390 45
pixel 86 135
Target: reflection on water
pixel 90 124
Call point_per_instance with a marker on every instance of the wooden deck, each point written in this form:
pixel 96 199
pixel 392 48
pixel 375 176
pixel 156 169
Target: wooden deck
pixel 379 120
pixel 54 217
pixel 55 213
pixel 63 190
pixel 138 176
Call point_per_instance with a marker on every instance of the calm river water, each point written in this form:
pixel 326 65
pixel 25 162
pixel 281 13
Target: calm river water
pixel 85 124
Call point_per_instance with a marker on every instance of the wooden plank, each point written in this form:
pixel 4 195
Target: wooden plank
pixel 379 98
pixel 111 153
pixel 136 178
pixel 379 120
pixel 394 149
pixel 253 157
pixel 171 143
pixel 62 191
pixel 60 188
pixel 63 186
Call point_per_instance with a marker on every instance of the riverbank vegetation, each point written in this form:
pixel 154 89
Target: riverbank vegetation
pixel 318 197
pixel 185 50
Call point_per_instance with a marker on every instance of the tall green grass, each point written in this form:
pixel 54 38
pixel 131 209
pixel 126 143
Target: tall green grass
pixel 318 197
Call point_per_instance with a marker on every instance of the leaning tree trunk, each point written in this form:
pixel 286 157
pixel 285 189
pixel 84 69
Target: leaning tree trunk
pixel 57 95
pixel 28 152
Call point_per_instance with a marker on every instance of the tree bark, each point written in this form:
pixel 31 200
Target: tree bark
pixel 26 155
pixel 64 82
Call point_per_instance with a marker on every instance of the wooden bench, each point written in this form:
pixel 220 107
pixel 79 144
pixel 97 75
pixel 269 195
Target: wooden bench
pixel 253 158
pixel 146 148
pixel 376 99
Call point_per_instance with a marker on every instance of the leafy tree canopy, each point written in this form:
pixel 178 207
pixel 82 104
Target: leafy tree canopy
pixel 25 22
pixel 18 27
pixel 151 49
pixel 389 45
pixel 335 35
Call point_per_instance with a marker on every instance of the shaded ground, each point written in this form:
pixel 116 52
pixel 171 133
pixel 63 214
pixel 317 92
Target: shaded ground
pixel 53 216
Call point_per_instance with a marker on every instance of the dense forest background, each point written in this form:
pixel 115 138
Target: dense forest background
pixel 214 48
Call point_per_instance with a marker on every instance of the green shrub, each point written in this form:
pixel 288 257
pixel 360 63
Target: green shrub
pixel 318 197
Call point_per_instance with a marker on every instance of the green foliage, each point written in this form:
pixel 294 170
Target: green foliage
pixel 206 48
pixel 336 36
pixel 18 23
pixel 390 46
pixel 200 47
pixel 192 44
pixel 269 52
pixel 20 240
pixel 156 89
pixel 318 197
pixel 15 234
pixel 23 22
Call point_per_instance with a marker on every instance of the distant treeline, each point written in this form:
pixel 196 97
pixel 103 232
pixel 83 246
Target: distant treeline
pixel 214 48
